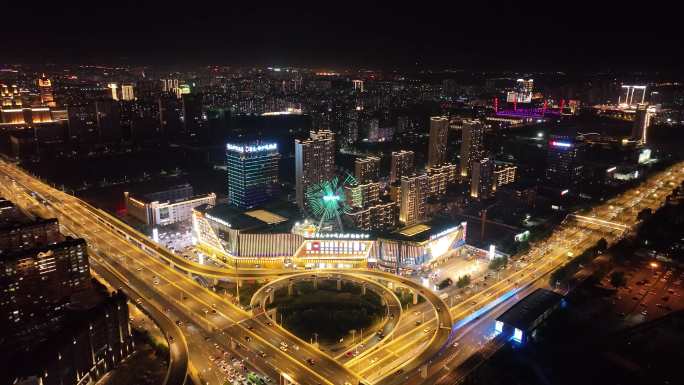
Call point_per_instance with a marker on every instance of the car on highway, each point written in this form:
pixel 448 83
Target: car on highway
pixel 248 338
pixel 426 330
pixel 283 348
pixel 262 354
pixel 310 361
pixel 179 323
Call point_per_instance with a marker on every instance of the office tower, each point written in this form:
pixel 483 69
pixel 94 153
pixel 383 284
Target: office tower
pixel 314 162
pixel 565 161
pixel 482 179
pixel 108 120
pixel 402 163
pixel 358 85
pixel 367 169
pixel 472 145
pixel 127 92
pixel 46 93
pixel 504 173
pixel 644 113
pixel 252 173
pixel 415 190
pixel 439 131
pixel 192 113
pixel 114 90
pixel 440 178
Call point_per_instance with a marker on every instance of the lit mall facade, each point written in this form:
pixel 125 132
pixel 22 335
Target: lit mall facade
pixel 260 237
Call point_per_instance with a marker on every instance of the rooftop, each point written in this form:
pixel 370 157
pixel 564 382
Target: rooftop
pixel 524 313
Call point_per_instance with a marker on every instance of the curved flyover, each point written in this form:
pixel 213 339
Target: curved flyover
pixel 69 203
pixel 442 332
pixel 178 370
pixel 260 297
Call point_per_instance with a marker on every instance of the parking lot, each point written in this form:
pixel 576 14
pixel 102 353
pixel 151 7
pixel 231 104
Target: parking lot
pixel 652 289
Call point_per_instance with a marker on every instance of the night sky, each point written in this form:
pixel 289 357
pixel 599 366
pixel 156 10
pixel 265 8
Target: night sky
pixel 518 35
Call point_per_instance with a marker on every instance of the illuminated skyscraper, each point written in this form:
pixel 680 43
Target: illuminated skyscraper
pixel 482 183
pixel 402 164
pixel 367 169
pixel 114 88
pixel 522 92
pixel 564 161
pixel 472 145
pixel 644 113
pixel 252 173
pixel 169 85
pixel 439 130
pixel 127 92
pixel 45 89
pixel 358 85
pixel 415 190
pixel 314 162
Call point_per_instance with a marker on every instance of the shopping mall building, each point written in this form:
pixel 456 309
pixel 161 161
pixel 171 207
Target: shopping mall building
pixel 276 237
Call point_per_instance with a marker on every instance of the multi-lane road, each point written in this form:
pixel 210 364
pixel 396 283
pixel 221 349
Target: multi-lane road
pixel 415 352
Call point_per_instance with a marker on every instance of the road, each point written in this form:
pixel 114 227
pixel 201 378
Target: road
pixel 163 278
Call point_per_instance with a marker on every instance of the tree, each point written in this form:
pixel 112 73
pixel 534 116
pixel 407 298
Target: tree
pixel 497 263
pixel 601 245
pixel 644 214
pixel 463 281
pixel 617 279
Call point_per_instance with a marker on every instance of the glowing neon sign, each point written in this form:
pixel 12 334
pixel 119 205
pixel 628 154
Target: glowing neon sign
pixel 561 144
pixel 259 148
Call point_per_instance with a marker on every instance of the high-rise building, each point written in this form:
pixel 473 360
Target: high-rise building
pixel 114 89
pixel 504 173
pixel 83 123
pixel 367 169
pixel 522 92
pixel 169 85
pixel 170 111
pixel 644 113
pixel 440 178
pixel 358 85
pixel 482 179
pixel 378 217
pixel 192 113
pixel 363 195
pixel 439 131
pixel 252 173
pixel 127 92
pixel 626 98
pixel 472 145
pixel 108 120
pixel 415 190
pixel 314 162
pixel 565 161
pixel 46 94
pixel 402 163
pixel 39 271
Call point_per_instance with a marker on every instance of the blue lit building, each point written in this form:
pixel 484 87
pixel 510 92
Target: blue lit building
pixel 565 162
pixel 252 173
pixel 521 321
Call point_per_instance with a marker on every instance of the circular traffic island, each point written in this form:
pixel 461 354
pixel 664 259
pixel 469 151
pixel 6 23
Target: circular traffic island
pixel 325 314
